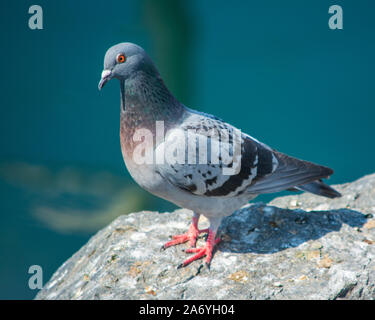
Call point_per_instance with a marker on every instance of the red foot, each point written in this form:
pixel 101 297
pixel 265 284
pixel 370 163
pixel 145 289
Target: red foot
pixel 191 235
pixel 206 250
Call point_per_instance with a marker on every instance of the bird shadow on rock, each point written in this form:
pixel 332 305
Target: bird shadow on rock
pixel 266 229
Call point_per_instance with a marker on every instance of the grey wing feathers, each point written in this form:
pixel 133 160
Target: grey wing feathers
pixel 194 176
pixel 262 169
pixel 209 179
pixel 290 172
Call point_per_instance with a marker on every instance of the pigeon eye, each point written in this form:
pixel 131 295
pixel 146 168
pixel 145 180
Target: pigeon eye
pixel 120 58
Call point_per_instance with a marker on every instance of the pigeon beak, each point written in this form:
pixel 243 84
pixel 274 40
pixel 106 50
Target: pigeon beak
pixel 106 76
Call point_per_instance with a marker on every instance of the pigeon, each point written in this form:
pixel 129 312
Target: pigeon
pixel 193 159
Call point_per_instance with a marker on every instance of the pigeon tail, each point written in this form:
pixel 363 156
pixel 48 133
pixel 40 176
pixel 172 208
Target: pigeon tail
pixel 320 188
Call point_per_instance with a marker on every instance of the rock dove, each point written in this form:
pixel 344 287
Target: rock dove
pixel 194 159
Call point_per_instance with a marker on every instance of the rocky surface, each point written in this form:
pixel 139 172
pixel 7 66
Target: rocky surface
pixel 297 247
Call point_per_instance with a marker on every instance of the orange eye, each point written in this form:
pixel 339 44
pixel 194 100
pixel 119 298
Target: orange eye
pixel 120 58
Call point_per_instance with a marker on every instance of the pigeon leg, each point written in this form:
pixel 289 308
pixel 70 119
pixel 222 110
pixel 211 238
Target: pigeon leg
pixel 191 235
pixel 207 249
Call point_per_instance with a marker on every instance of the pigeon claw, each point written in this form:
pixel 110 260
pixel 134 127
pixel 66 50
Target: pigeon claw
pixel 191 235
pixel 200 252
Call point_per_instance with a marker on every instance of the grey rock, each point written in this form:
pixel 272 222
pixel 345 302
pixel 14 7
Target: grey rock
pixel 297 247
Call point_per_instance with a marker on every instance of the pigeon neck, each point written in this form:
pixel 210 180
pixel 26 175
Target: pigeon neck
pixel 147 101
pixel 147 96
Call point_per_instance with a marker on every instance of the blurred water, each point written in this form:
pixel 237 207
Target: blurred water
pixel 273 69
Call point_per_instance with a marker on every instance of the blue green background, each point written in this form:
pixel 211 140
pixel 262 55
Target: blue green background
pixel 272 68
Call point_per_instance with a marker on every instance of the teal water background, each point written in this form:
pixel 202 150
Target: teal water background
pixel 273 69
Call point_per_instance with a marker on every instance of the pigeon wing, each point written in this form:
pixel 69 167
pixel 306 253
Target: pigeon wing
pixel 205 140
pixel 259 169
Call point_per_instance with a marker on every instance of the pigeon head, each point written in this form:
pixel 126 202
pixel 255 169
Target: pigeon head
pixel 123 60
